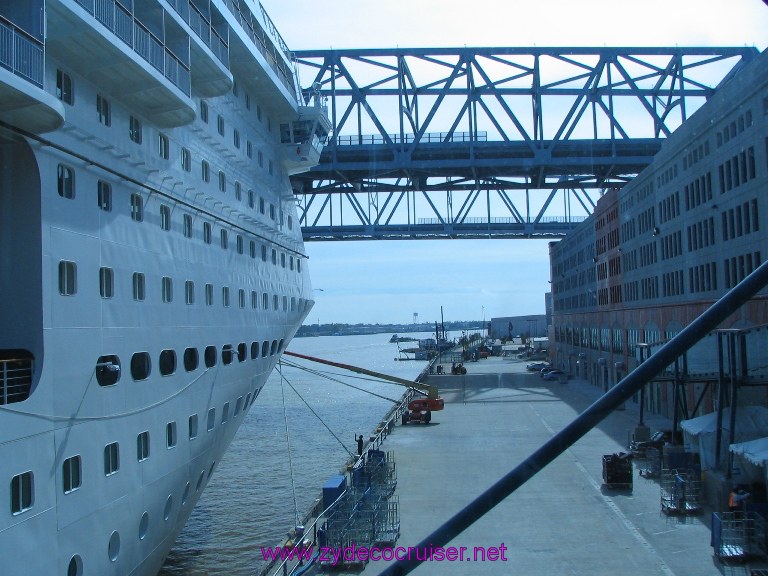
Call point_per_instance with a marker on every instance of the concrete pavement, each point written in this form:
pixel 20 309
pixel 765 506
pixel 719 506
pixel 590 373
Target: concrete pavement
pixel 563 521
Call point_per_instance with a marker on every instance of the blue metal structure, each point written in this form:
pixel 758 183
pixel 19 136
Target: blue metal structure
pixel 490 142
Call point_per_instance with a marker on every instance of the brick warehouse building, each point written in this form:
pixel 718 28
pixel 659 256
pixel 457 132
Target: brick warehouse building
pixel 657 252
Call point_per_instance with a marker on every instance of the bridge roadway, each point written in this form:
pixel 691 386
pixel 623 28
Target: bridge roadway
pixel 541 164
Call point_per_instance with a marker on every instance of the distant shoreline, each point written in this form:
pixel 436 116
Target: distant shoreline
pixel 308 330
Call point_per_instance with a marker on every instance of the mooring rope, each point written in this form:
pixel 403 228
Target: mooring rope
pixel 283 378
pixel 288 442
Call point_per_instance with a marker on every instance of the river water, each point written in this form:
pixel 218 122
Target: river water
pixel 252 499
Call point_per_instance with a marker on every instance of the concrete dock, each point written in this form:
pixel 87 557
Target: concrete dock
pixel 563 521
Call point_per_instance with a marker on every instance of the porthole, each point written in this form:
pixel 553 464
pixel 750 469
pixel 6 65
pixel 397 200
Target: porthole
pixel 210 356
pixel 167 362
pixel 185 495
pixel 254 350
pixel 273 348
pixel 200 481
pixel 168 508
pixel 143 526
pixel 114 546
pixel 141 366
pixel 242 352
pixel 107 370
pixel 75 567
pixel 191 359
pixel 227 354
pixel 210 472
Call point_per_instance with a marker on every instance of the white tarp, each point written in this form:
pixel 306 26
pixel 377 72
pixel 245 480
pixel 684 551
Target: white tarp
pixel 756 451
pixel 700 434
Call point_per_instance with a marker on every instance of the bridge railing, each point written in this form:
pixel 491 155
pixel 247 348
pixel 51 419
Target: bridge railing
pixel 507 220
pixel 430 137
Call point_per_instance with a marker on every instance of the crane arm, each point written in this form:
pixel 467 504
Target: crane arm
pixel 429 391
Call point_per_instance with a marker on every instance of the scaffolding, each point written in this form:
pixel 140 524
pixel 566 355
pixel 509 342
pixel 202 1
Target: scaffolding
pixel 680 492
pixel 737 536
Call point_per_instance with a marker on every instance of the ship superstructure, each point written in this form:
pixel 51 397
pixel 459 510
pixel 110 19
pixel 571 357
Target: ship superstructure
pixel 151 264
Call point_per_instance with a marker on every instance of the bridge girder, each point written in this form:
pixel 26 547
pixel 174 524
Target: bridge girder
pixel 516 137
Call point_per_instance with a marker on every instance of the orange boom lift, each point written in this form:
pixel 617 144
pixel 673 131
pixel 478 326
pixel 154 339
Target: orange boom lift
pixel 419 409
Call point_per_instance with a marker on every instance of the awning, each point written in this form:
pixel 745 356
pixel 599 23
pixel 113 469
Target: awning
pixel 750 420
pixel 756 451
pixel 700 434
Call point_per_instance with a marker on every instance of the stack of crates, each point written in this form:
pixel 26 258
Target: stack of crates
pixel 617 470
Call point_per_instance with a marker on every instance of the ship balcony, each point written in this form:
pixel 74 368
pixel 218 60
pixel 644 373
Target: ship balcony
pixel 16 370
pixel 209 49
pixel 145 64
pixel 255 59
pixel 302 139
pixel 23 102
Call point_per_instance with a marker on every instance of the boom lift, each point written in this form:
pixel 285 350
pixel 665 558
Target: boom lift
pixel 419 409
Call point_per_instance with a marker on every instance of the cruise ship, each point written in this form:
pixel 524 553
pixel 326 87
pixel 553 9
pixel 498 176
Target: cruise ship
pixel 152 268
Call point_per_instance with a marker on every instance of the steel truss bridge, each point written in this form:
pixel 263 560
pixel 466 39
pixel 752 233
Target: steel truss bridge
pixel 490 142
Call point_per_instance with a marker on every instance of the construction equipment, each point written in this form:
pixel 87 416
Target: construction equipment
pixel 419 409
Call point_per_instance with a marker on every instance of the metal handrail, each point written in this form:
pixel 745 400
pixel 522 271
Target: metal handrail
pixel 20 54
pixel 15 379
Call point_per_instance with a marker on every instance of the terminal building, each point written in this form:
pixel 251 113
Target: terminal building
pixel 660 250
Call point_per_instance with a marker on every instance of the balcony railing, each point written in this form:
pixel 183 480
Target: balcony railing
pixel 15 379
pixel 203 29
pixel 149 47
pixel 21 55
pixel 258 36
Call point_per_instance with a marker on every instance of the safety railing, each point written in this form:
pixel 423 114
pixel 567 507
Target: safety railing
pixel 119 19
pixel 428 138
pixel 506 220
pixel 21 55
pixel 15 379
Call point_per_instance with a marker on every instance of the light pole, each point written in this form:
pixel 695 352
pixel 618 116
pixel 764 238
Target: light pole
pixel 318 320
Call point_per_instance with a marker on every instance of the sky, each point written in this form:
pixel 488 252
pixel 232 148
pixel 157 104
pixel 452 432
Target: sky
pixel 390 281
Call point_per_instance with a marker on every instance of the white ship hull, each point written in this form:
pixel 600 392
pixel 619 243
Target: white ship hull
pixel 151 268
